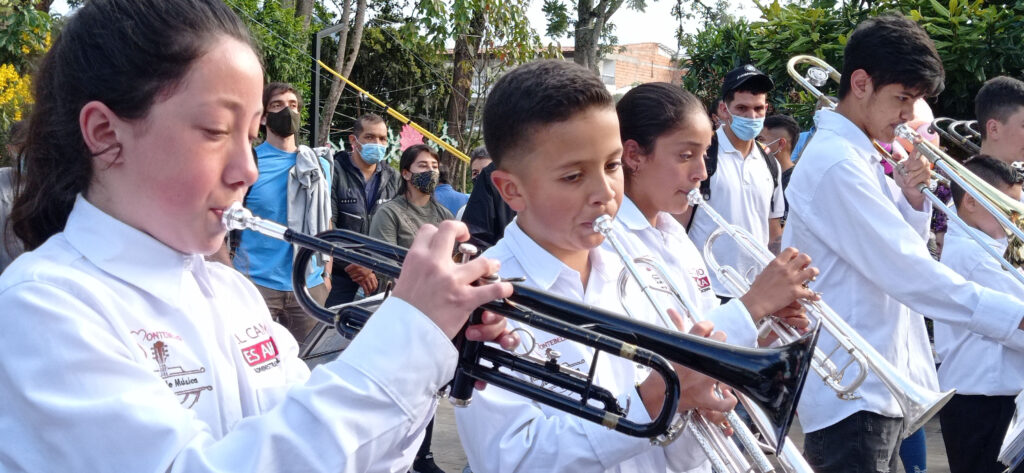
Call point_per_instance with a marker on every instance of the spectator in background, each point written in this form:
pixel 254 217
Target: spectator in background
pixel 293 187
pixel 450 198
pixel 362 182
pixel 779 136
pixel 396 222
pixel 10 245
pixel 485 213
pixel 478 160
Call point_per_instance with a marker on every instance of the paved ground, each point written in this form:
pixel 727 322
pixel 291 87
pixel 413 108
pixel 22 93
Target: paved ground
pixel 449 455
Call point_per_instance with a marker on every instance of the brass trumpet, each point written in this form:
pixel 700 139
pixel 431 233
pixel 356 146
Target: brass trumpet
pixel 917 403
pixel 770 376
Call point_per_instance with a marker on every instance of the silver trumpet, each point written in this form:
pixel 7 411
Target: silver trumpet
pixel 918 403
pixel 725 456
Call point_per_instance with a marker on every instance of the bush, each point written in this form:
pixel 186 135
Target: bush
pixel 977 40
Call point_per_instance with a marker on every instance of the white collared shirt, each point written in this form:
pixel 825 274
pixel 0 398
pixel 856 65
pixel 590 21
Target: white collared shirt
pixel 742 191
pixel 876 272
pixel 505 432
pixel 668 243
pixel 120 354
pixel 972 363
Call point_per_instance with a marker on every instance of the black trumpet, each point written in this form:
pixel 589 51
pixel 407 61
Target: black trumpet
pixel 772 377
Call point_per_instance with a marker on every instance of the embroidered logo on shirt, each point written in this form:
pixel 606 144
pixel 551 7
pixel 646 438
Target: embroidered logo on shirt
pixel 182 382
pixel 701 278
pixel 259 350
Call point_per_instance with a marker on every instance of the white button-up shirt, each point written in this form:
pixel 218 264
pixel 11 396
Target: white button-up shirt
pixel 667 242
pixel 876 272
pixel 742 191
pixel 972 363
pixel 120 354
pixel 505 432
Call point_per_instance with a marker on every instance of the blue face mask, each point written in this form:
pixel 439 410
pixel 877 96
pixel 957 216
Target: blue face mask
pixel 372 153
pixel 745 128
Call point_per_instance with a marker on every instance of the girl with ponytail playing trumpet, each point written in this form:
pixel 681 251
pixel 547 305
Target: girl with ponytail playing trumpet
pixel 665 133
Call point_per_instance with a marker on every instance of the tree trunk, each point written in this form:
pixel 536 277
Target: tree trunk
pixel 343 66
pixel 467 47
pixel 43 5
pixel 304 9
pixel 590 24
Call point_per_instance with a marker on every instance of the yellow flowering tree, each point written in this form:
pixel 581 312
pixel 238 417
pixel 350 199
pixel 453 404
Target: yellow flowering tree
pixel 24 37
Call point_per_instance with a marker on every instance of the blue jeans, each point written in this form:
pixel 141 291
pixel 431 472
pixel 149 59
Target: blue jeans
pixel 864 442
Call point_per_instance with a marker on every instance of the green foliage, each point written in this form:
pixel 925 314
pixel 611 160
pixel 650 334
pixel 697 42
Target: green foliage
pixel 282 41
pixel 24 37
pixel 410 77
pixel 975 39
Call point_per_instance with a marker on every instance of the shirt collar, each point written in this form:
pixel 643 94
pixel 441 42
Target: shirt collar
pixel 1000 244
pixel 840 125
pixel 633 219
pixel 541 267
pixel 131 255
pixel 724 145
pixel 630 215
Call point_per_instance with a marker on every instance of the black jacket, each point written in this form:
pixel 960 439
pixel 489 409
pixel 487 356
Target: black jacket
pixel 348 202
pixel 348 193
pixel 486 213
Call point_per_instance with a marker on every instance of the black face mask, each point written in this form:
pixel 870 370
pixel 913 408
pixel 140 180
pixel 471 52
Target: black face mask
pixel 284 122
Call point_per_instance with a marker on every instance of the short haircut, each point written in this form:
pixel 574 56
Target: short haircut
pixel 990 170
pixel 892 49
pixel 536 94
pixel 650 110
pixel 277 88
pixel 999 98
pixel 787 124
pixel 480 152
pixel 365 119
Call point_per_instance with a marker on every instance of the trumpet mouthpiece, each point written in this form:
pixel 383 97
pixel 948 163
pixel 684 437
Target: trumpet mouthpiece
pixel 603 224
pixel 235 216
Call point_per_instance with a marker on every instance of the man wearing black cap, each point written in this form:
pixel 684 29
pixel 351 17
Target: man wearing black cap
pixel 743 181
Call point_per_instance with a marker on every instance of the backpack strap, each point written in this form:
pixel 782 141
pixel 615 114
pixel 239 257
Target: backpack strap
pixel 773 169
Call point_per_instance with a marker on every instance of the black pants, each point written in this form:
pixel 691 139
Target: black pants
pixel 425 446
pixel 973 428
pixel 864 442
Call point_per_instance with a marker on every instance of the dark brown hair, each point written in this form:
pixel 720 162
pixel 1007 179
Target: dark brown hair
pixel 123 53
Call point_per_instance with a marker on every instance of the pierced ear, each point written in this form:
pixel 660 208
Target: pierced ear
pixel 632 155
pixel 100 126
pixel 508 186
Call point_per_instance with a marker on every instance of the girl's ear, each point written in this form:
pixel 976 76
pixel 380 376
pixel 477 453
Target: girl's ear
pixel 632 155
pixel 510 188
pixel 100 127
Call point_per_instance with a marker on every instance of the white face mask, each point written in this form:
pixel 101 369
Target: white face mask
pixel 769 145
